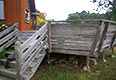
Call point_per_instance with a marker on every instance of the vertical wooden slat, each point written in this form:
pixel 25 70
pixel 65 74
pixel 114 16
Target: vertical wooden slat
pixel 49 37
pixel 102 37
pixel 95 39
pixel 18 65
pixel 111 45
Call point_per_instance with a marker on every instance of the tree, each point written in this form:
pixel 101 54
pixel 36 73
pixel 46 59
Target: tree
pixel 87 15
pixel 73 17
pixel 41 20
pixel 108 5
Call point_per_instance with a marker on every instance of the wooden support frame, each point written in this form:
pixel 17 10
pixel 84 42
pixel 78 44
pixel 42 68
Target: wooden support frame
pixel 102 37
pixel 49 37
pixel 96 38
pixel 18 58
pixel 30 54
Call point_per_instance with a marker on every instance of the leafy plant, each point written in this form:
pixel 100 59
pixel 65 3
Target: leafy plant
pixel 2 54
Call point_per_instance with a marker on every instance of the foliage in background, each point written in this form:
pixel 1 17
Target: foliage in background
pixel 87 15
pixel 41 20
pixel 108 6
pixel 73 17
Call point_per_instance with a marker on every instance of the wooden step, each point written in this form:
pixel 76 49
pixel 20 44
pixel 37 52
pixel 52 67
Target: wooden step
pixel 5 78
pixel 10 72
pixel 11 64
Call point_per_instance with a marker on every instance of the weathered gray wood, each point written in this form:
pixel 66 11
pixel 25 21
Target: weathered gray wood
pixel 72 47
pixel 28 62
pixel 86 20
pixel 35 64
pixel 8 43
pixel 30 50
pixel 49 37
pixel 7 37
pixel 71 38
pixel 33 37
pixel 8 30
pixel 95 39
pixel 18 57
pixel 75 38
pixel 7 72
pixel 109 38
pixel 72 52
pixel 24 35
pixel 102 38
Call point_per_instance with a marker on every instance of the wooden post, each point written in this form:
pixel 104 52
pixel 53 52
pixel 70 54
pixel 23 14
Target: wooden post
pixel 18 65
pixel 88 63
pixel 103 56
pixel 95 39
pixel 49 40
pixel 49 37
pixel 102 37
pixel 111 45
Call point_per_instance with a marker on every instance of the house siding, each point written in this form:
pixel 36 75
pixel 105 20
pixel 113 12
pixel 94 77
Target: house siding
pixel 14 11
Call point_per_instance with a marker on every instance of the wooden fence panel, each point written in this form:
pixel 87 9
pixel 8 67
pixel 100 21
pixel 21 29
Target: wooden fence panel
pixel 8 37
pixel 73 38
pixel 109 36
pixel 31 53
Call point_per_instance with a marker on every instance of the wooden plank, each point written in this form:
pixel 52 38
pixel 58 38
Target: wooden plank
pixel 102 38
pixel 74 33
pixel 72 46
pixel 109 37
pixel 89 25
pixel 35 65
pixel 7 72
pixel 7 37
pixel 113 41
pixel 10 42
pixel 28 62
pixel 13 40
pixel 27 34
pixel 29 51
pixel 8 30
pixel 72 52
pixel 71 38
pixel 18 58
pixel 88 20
pixel 95 39
pixel 49 37
pixel 33 37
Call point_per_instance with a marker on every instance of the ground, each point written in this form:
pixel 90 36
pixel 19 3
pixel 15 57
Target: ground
pixel 101 71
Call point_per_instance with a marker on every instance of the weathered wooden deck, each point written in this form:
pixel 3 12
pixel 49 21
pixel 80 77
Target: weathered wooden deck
pixel 85 39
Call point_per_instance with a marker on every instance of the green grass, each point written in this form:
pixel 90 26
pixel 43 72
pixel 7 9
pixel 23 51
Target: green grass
pixel 102 71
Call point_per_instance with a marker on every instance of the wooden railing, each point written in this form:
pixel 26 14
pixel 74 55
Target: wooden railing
pixel 109 39
pixel 8 37
pixel 88 38
pixel 30 54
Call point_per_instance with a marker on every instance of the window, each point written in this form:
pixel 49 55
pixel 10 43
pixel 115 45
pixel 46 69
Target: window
pixel 27 16
pixel 1 9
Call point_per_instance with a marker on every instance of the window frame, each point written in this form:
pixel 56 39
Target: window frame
pixel 3 11
pixel 27 21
